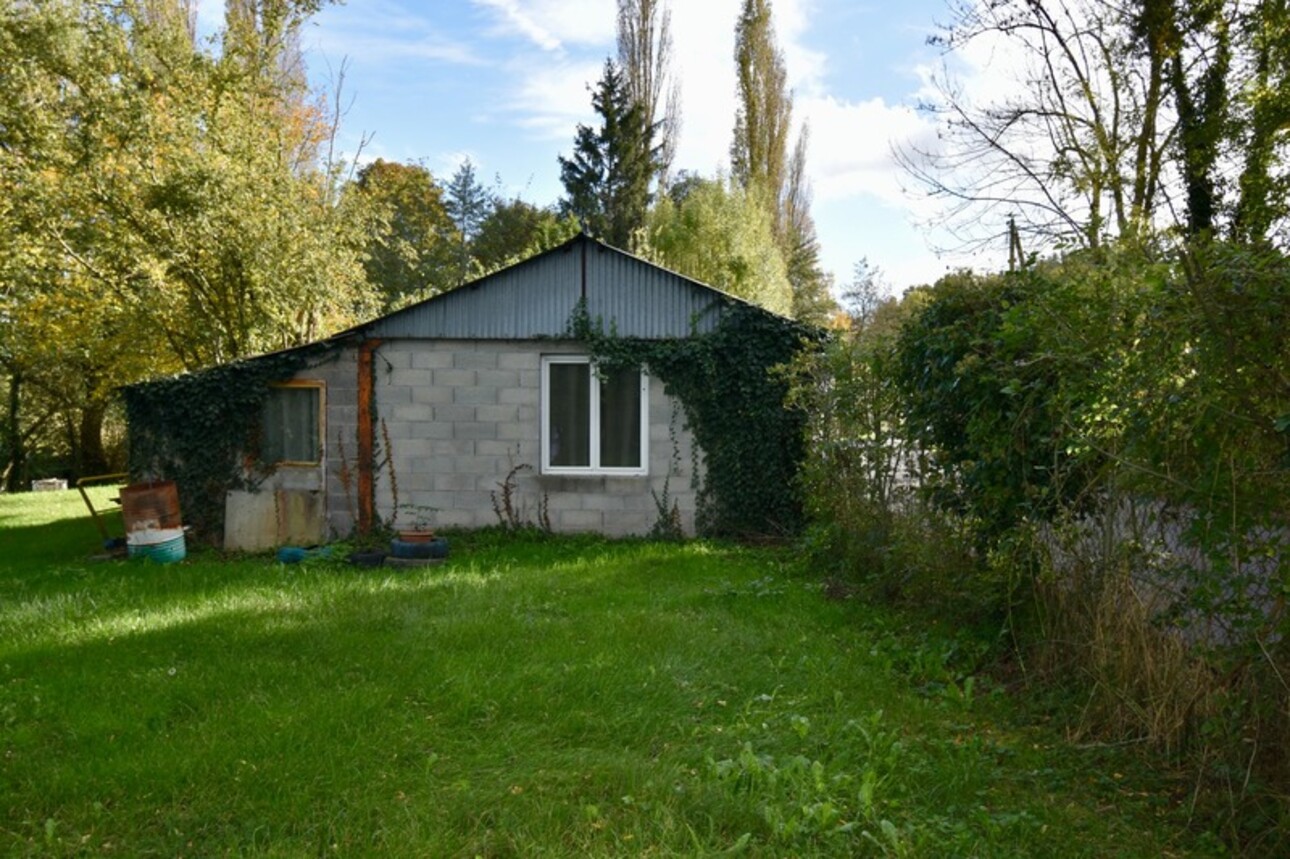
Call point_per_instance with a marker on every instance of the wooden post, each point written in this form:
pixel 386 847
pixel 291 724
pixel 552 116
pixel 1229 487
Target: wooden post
pixel 366 437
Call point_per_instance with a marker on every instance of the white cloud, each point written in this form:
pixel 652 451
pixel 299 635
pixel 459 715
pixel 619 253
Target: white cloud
pixel 546 93
pixel 703 45
pixel 377 44
pixel 804 67
pixel 515 19
pixel 554 25
pixel 851 144
pixel 551 99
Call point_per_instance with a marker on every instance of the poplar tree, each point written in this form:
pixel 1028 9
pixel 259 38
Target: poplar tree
pixel 759 158
pixel 812 301
pixel 645 55
pixel 759 151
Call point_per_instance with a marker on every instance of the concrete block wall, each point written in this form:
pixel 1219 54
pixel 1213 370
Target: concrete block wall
pixel 461 414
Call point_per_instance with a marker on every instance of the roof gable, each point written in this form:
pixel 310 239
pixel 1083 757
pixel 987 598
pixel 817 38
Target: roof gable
pixel 536 298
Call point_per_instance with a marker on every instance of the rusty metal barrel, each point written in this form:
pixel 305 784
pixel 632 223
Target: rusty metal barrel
pixel 150 506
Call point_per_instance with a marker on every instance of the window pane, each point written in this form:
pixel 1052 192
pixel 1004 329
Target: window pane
pixel 570 402
pixel 290 426
pixel 620 419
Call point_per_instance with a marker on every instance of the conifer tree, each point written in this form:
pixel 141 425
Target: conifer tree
pixel 607 178
pixel 468 205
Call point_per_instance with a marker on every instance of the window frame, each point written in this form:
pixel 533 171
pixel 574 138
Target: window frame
pixel 594 429
pixel 321 388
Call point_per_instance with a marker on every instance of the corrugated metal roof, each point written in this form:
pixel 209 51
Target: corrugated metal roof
pixel 536 298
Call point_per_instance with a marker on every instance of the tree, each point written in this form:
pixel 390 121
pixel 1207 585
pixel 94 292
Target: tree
pixel 759 158
pixel 644 54
pixel 1261 117
pixel 607 179
pixel 412 250
pixel 812 302
pixel 467 205
pixel 759 150
pixel 468 202
pixel 720 233
pixel 65 333
pixel 1121 112
pixel 514 230
pixel 1063 152
pixel 165 204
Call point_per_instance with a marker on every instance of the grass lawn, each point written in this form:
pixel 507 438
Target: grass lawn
pixel 529 697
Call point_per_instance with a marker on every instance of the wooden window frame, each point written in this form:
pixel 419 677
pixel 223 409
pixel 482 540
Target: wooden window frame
pixel 321 387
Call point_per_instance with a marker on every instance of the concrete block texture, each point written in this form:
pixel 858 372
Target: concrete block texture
pixel 630 523
pixel 462 414
pixel 454 378
pixel 474 430
pixel 516 395
pixel 524 360
pixel 578 520
pixel 431 359
pixel 500 379
pixel 518 432
pixel 475 395
pixel 501 449
pixel 404 379
pixel 498 414
pixel 454 448
pixel 431 395
pixel 393 356
pixel 453 414
pixel 435 430
pixel 474 356
pixel 407 412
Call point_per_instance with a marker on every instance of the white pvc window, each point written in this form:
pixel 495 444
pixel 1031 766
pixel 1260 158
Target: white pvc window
pixel 594 421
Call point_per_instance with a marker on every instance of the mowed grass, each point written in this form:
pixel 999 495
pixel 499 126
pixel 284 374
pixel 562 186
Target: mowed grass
pixel 530 697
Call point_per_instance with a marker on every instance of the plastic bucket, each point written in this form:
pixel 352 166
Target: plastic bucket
pixel 164 546
pixel 150 506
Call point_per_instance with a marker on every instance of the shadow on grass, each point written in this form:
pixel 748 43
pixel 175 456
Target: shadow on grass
pixel 65 541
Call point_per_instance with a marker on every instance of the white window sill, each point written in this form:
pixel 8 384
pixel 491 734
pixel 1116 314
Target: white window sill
pixel 596 472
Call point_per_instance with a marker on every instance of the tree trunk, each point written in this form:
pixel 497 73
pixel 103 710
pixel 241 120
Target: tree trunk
pixel 15 469
pixel 92 460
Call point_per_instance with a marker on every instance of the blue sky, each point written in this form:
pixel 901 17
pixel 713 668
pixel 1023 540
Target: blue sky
pixel 504 82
